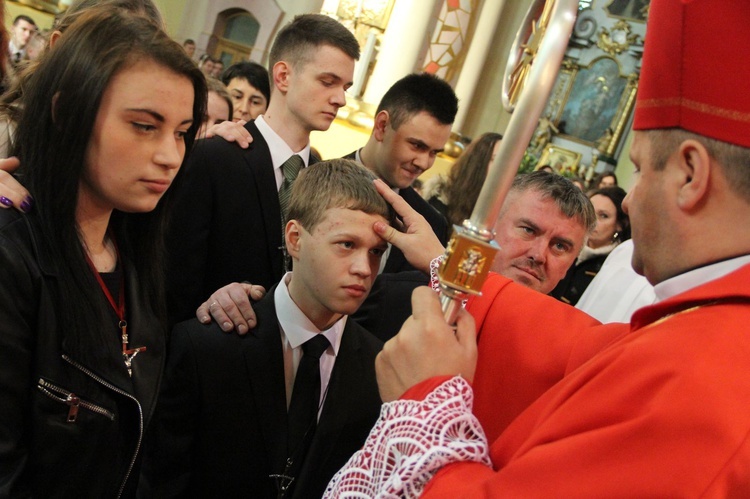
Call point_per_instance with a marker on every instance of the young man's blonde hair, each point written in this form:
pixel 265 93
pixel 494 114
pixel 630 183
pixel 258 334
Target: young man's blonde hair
pixel 338 183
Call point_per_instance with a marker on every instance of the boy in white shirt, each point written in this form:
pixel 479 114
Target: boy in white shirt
pixel 228 422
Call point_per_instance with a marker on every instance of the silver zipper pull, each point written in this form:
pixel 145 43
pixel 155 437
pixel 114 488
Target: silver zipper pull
pixel 73 401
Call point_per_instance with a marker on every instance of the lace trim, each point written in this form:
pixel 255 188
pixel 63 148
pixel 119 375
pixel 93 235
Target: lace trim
pixel 411 441
pixel 435 279
pixel 434 266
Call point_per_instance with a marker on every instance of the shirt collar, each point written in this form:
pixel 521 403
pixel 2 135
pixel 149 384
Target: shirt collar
pixel 696 277
pixel 280 150
pixel 295 324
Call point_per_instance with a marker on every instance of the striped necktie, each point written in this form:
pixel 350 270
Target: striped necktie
pixel 290 169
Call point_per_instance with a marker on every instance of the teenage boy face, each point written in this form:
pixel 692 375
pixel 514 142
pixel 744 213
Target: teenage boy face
pixel 22 31
pixel 335 264
pixel 315 89
pixel 409 150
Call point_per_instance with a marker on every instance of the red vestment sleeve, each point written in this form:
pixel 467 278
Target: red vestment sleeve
pixel 527 342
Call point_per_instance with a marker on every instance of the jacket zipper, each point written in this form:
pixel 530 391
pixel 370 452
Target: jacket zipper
pixel 109 385
pixel 72 400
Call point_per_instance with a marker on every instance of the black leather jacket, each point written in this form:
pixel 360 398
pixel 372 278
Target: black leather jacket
pixel 71 419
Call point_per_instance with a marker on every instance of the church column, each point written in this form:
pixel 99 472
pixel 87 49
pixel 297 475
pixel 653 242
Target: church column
pixel 473 66
pixel 404 43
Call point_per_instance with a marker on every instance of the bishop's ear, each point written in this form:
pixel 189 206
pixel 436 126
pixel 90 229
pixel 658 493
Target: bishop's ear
pixel 694 170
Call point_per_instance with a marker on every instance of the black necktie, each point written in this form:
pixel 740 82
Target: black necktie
pixel 303 409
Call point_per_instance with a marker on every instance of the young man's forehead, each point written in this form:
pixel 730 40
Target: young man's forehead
pixel 341 218
pixel 346 206
pixel 414 131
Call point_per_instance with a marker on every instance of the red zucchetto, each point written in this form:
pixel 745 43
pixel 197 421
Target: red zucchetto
pixel 705 91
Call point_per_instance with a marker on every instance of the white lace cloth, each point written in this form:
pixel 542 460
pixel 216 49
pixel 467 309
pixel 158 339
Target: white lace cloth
pixel 410 442
pixel 434 278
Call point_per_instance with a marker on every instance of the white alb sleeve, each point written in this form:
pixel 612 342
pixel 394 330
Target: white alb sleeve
pixel 411 441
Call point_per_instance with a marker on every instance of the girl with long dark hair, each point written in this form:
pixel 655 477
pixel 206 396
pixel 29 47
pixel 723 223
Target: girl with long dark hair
pixel 108 116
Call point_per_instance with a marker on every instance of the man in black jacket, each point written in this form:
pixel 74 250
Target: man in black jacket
pixel 233 419
pixel 412 124
pixel 227 219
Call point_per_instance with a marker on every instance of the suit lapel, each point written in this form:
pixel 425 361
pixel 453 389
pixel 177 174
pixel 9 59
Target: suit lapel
pixel 265 368
pixel 258 158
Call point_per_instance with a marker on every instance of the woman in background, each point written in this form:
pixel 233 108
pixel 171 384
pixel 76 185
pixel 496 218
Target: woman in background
pixel 108 116
pixel 612 228
pixel 606 179
pixel 456 195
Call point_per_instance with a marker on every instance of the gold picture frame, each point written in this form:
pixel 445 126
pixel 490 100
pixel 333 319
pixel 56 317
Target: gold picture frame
pixel 595 103
pixel 561 160
pixel 561 91
pixel 375 13
pixel 633 10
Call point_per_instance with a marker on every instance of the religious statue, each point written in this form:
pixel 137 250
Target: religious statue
pixel 542 135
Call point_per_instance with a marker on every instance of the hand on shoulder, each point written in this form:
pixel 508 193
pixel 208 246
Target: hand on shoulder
pixel 230 307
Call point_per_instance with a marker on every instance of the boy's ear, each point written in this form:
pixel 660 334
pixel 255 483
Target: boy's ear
pixel 382 119
pixel 281 72
pixel 293 234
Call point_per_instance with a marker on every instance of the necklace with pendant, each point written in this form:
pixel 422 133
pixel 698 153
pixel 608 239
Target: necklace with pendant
pixel 128 354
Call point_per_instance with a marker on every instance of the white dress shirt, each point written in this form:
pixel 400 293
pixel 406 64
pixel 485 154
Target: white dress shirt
pixel 617 291
pixel 280 150
pixel 696 277
pixel 296 329
pixel 15 53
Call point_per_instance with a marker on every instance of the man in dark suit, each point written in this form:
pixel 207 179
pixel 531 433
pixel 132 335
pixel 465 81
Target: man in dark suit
pixel 225 421
pixel 227 219
pixel 412 124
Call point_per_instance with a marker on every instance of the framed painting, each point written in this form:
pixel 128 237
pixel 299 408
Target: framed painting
pixel 561 160
pixel 635 10
pixel 560 92
pixel 593 103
